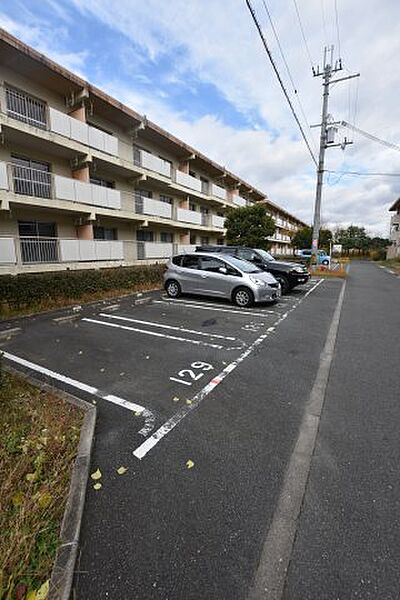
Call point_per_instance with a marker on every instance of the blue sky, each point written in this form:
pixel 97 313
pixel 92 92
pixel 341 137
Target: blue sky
pixel 198 69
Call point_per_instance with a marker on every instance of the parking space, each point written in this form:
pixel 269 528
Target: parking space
pixel 156 360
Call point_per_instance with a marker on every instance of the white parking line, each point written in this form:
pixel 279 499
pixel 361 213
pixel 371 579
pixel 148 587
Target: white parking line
pixel 173 327
pixel 148 415
pixel 154 333
pixel 213 307
pixel 147 445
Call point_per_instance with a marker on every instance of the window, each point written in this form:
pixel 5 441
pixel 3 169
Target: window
pixel 204 240
pixel 143 193
pixel 166 199
pixel 31 177
pixel 211 264
pixel 101 182
pixel 204 210
pixel 105 233
pixel 137 156
pixel 143 235
pixel 190 262
pixel 220 241
pixel 192 206
pixel 167 237
pixel 177 260
pixel 220 214
pixel 205 185
pixel 26 108
pixel 193 238
pixel 192 173
pixel 246 254
pixel 38 242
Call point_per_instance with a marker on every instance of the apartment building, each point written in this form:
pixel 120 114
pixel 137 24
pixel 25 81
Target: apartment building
pixel 394 249
pixel 87 182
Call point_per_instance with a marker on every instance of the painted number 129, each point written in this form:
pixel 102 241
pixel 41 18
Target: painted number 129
pixel 196 372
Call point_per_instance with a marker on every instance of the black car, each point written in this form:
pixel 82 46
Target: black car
pixel 289 274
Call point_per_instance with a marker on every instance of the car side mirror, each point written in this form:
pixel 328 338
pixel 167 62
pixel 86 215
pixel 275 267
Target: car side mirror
pixel 223 270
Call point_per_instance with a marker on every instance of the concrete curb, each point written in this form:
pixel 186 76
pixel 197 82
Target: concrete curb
pixel 64 565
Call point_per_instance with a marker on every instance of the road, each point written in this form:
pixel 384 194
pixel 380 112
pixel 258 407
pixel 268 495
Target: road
pixel 229 390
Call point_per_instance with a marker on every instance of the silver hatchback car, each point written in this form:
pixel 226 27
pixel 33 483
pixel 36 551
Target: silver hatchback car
pixel 209 274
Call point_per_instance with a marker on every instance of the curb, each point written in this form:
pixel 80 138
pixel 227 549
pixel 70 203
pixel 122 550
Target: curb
pixel 62 574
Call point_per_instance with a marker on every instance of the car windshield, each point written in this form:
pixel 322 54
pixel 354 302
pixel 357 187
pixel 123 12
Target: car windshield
pixel 243 265
pixel 266 255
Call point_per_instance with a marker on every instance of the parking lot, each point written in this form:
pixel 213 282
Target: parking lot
pixel 158 360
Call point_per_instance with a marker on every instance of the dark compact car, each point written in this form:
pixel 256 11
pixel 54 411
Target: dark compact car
pixel 289 274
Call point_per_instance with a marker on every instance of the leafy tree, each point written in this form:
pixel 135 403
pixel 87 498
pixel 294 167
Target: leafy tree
pixel 249 226
pixel 356 240
pixel 303 238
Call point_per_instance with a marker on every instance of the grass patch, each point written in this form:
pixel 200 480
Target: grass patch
pixel 392 263
pixel 38 444
pixel 322 271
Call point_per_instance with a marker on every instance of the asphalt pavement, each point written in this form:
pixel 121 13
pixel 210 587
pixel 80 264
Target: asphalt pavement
pixel 202 403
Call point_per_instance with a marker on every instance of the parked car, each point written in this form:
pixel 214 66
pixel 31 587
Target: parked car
pixel 223 276
pixel 322 259
pixel 289 274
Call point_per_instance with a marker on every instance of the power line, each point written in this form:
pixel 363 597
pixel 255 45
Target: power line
pixel 253 14
pixel 295 90
pixel 363 174
pixel 303 34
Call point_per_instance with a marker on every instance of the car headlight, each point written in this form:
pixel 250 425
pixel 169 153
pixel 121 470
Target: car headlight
pixel 257 281
pixel 298 270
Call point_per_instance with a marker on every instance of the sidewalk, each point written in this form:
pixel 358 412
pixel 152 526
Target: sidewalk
pixel 348 539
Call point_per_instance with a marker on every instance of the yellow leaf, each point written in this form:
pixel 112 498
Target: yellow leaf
pixel 121 470
pixel 96 475
pixel 175 399
pixel 137 413
pixel 31 595
pixel 17 499
pixel 97 486
pixel 43 592
pixel 190 464
pixel 31 476
pixel 45 500
pixel 188 402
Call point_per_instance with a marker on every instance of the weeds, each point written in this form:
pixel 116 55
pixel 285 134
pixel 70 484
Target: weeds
pixel 40 434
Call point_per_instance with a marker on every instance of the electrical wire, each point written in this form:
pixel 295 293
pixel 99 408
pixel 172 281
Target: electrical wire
pixel 303 34
pixel 363 174
pixel 253 14
pixel 295 90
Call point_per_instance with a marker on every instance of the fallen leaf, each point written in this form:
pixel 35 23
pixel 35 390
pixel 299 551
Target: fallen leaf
pixel 121 470
pixel 147 357
pixel 122 374
pixel 175 399
pixel 80 352
pixel 97 486
pixel 31 595
pixel 102 370
pixel 45 500
pixel 31 476
pixel 137 413
pixel 43 592
pixel 96 475
pixel 17 499
pixel 188 401
pixel 189 464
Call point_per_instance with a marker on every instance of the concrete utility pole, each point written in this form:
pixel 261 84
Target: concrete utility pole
pixel 326 140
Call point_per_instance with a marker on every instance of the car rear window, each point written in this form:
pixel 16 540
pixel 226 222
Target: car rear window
pixel 177 260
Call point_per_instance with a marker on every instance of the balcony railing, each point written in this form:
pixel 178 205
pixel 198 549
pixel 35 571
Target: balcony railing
pixel 148 161
pixel 217 221
pixel 31 182
pixel 218 191
pixel 188 181
pixel 26 108
pixel 153 250
pixel 189 216
pixel 37 250
pixel 79 131
pixel 149 206
pixel 238 200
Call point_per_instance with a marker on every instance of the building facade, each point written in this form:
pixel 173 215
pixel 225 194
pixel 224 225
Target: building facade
pixel 394 248
pixel 87 182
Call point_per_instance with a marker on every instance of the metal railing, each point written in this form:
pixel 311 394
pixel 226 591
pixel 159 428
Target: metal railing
pixel 31 182
pixel 39 250
pixel 25 108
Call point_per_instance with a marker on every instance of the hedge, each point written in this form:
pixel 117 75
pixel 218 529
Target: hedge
pixel 29 289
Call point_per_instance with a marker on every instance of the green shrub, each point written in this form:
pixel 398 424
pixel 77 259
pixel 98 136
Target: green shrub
pixel 378 254
pixel 32 289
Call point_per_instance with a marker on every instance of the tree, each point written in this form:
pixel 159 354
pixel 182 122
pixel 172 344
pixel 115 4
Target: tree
pixel 249 226
pixel 303 238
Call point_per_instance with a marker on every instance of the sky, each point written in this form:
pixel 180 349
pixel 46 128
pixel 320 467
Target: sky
pixel 198 69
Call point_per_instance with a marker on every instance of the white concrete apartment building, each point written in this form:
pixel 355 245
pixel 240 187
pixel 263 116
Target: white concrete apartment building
pixel 87 182
pixel 394 248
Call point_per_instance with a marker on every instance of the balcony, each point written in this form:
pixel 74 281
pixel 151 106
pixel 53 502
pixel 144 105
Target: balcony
pixel 239 201
pixel 148 206
pixel 188 181
pixel 79 131
pixel 27 181
pixel 189 216
pixel 218 191
pixel 42 250
pixel 148 161
pixel 153 250
pixel 185 248
pixel 217 221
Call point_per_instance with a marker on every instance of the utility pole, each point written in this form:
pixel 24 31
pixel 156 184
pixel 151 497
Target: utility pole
pixel 327 72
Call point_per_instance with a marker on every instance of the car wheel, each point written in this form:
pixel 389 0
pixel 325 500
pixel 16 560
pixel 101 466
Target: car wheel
pixel 285 285
pixel 243 297
pixel 173 288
